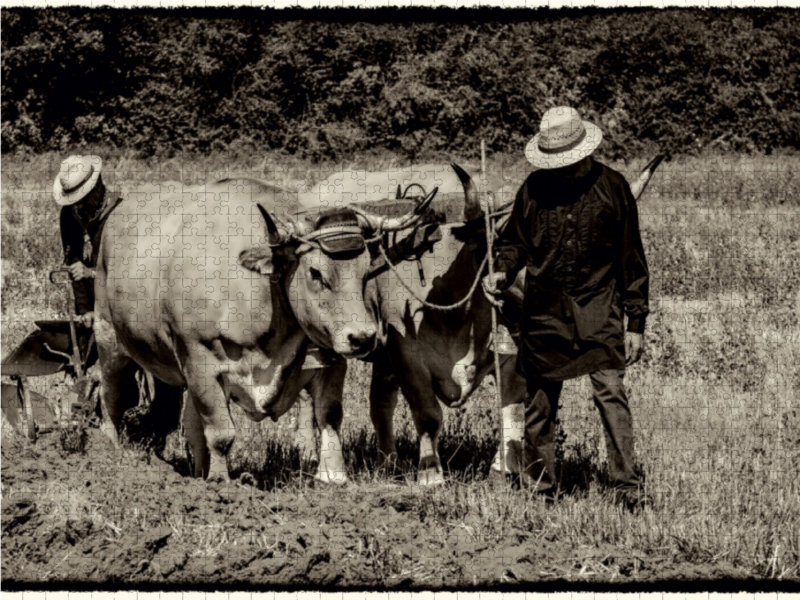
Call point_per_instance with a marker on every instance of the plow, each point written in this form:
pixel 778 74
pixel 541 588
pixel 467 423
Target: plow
pixel 57 346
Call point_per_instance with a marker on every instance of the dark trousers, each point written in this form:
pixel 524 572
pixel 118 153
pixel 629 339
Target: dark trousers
pixel 540 442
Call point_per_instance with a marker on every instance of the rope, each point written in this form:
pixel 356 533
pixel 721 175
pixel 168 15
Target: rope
pixel 424 302
pixel 378 237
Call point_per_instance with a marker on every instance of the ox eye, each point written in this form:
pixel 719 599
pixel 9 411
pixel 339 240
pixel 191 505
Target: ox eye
pixel 316 275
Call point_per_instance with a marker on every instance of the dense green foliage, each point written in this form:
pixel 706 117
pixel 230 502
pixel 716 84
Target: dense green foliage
pixel 329 84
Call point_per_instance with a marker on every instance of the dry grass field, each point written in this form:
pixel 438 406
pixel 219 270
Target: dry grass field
pixel 716 403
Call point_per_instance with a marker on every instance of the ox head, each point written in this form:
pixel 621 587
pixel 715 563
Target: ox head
pixel 323 267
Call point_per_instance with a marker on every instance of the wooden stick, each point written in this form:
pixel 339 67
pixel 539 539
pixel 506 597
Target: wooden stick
pixel 495 339
pixel 483 162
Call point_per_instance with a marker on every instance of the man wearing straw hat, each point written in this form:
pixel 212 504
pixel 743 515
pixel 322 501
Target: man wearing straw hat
pixel 575 227
pixel 86 204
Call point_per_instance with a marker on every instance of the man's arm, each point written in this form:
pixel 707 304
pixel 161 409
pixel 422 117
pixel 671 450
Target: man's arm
pixel 72 241
pixel 512 245
pixel 71 237
pixel 635 274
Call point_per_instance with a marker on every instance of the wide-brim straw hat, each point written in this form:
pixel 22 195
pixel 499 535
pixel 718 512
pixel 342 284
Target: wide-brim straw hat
pixel 563 139
pixel 77 177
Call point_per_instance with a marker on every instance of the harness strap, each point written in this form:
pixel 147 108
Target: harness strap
pixel 332 231
pixel 442 307
pixel 425 303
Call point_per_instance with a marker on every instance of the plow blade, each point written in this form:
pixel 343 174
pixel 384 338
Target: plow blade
pixel 47 351
pixel 13 411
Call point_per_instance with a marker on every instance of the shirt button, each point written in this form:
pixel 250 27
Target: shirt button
pixel 569 243
pixel 569 216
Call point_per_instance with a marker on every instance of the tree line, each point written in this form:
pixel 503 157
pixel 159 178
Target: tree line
pixel 331 83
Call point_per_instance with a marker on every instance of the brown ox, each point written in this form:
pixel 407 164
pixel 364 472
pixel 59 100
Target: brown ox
pixel 441 355
pixel 203 290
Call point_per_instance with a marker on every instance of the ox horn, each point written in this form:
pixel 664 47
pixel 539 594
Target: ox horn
pixel 644 177
pixel 276 236
pixel 395 223
pixel 472 205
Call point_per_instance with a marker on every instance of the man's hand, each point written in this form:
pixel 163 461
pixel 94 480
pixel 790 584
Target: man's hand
pixel 86 319
pixel 79 271
pixel 634 347
pixel 490 283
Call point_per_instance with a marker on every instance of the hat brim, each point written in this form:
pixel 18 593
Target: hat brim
pixel 556 160
pixel 68 198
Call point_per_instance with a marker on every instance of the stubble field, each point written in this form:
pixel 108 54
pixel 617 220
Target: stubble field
pixel 715 404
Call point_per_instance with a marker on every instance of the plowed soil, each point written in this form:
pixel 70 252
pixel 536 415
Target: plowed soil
pixel 125 519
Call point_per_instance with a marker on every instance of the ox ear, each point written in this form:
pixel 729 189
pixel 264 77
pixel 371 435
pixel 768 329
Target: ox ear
pixel 258 259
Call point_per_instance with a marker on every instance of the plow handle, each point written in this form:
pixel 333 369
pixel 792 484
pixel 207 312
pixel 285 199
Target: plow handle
pixel 77 363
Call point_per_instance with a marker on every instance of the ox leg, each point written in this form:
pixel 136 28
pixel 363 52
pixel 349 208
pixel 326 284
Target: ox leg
pixel 150 424
pixel 165 413
pixel 382 404
pixel 304 436
pixel 512 390
pixel 198 454
pixel 429 424
pixel 427 415
pixel 209 415
pixel 327 388
pixel 118 388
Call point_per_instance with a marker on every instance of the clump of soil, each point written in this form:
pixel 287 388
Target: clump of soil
pixel 94 514
pixel 74 439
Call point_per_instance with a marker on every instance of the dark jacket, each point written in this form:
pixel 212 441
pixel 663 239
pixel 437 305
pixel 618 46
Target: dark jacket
pixel 80 236
pixel 585 263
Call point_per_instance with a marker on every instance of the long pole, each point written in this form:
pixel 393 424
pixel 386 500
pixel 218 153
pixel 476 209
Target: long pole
pixel 76 353
pixel 483 167
pixel 495 339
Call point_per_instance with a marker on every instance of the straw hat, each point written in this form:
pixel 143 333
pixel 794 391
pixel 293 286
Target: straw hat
pixel 77 177
pixel 563 139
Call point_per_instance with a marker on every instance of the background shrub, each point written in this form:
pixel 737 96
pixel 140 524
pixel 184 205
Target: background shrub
pixel 331 83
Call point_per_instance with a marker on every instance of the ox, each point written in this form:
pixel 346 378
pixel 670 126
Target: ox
pixel 441 355
pixel 204 290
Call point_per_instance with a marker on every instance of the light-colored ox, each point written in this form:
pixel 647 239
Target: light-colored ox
pixel 204 289
pixel 439 355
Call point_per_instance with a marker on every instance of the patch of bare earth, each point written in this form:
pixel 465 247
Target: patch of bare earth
pixel 111 517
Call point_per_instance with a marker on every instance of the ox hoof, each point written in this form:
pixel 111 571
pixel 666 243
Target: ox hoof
pixel 498 483
pixel 217 481
pixel 331 477
pixel 309 456
pixel 246 479
pixel 307 448
pixel 111 433
pixel 430 478
pixel 386 462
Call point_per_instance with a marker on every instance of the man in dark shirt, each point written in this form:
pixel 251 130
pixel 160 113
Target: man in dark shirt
pixel 86 204
pixel 575 227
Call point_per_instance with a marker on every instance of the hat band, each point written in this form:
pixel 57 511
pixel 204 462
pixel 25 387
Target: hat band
pixel 565 148
pixel 80 183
